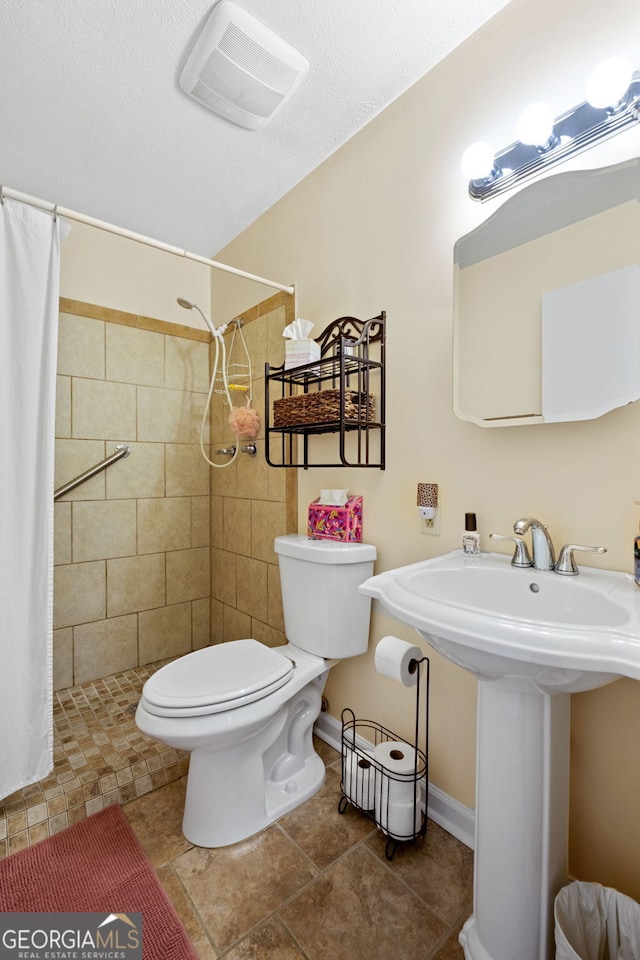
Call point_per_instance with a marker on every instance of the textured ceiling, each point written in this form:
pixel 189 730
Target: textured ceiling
pixel 92 118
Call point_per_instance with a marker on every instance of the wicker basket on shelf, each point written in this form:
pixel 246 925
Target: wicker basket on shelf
pixel 323 406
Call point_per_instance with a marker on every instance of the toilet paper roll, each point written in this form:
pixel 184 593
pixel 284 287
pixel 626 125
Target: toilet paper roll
pixel 359 779
pixel 397 761
pixel 401 821
pixel 394 659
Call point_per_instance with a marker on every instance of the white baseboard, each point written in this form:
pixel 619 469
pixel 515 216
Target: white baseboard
pixel 448 813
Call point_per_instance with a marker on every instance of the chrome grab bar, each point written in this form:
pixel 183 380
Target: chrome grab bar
pixel 121 450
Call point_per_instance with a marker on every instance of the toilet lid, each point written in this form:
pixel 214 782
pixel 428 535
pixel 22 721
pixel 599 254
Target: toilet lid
pixel 216 678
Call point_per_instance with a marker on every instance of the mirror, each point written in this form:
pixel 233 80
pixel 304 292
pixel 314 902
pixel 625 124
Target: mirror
pixel 547 302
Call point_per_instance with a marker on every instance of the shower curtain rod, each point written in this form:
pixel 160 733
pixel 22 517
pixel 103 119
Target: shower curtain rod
pixel 59 211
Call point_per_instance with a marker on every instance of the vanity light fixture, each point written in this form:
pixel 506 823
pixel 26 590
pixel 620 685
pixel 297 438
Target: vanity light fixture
pixel 612 104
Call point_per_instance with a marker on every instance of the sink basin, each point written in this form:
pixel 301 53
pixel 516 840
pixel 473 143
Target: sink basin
pixel 524 626
pixel 531 638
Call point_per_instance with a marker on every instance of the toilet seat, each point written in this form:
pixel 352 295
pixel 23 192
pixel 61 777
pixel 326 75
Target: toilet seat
pixel 215 679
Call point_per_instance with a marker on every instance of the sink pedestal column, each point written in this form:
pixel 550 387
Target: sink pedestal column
pixel 522 790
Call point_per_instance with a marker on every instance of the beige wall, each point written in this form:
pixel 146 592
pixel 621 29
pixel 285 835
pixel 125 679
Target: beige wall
pixel 102 268
pixel 373 228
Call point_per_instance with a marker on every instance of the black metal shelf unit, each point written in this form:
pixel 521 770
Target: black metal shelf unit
pixel 332 395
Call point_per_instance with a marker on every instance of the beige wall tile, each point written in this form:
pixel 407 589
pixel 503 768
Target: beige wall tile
pixel 217 621
pixel 276 323
pixel 72 458
pixel 63 406
pixel 136 551
pixel 268 521
pixel 221 434
pixel 255 335
pixel 62 533
pixel 275 616
pixel 276 480
pixel 164 524
pixel 258 404
pixel 224 480
pixel 103 410
pixel 141 474
pixel 187 471
pixel 198 408
pixel 135 583
pixel 106 647
pixel 223 576
pixel 253 475
pixel 266 634
pixel 79 593
pixel 200 623
pixel 62 658
pixel 134 356
pixel 165 632
pixel 164 415
pixel 200 522
pixel 291 503
pixel 251 587
pixel 188 574
pixel 236 625
pixel 236 525
pixel 81 347
pixel 103 528
pixel 217 537
pixel 187 364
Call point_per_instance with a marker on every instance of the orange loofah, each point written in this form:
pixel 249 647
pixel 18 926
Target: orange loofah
pixel 245 422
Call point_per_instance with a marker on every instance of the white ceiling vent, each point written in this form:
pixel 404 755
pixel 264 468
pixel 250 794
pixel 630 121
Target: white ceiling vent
pixel 241 69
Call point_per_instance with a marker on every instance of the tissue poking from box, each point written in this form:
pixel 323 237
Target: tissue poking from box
pixel 328 522
pixel 297 352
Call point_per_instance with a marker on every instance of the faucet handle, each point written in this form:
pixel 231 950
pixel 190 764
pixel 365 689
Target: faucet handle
pixel 521 556
pixel 566 565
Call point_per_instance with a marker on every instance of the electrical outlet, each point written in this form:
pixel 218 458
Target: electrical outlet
pixel 431 526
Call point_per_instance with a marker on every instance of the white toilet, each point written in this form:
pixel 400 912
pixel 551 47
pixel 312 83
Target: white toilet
pixel 246 711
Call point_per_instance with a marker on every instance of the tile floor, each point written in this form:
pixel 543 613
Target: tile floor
pixel 100 757
pixel 315 885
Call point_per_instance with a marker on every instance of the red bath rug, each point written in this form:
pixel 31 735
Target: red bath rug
pixel 95 866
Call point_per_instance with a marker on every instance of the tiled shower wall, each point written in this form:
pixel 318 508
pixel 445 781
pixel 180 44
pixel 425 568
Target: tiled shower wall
pixel 159 554
pixel 251 503
pixel 131 579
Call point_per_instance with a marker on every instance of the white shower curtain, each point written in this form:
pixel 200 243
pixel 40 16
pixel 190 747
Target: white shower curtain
pixel 29 282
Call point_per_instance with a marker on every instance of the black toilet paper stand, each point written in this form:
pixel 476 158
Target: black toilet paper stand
pixel 392 798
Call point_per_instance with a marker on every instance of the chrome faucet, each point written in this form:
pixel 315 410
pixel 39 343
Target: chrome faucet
pixel 544 557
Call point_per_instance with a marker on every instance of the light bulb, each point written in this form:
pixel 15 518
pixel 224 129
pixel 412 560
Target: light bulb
pixel 609 82
pixel 477 161
pixel 535 124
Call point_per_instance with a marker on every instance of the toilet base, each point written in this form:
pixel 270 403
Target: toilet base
pixel 235 791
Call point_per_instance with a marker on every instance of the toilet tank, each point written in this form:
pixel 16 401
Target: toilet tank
pixel 323 612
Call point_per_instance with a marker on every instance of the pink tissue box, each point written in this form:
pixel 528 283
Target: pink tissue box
pixel 328 522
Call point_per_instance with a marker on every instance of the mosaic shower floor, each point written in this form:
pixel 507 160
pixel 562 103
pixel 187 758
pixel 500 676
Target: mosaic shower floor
pixel 100 757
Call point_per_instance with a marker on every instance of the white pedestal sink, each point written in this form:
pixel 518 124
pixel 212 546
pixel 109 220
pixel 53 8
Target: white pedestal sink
pixel 531 638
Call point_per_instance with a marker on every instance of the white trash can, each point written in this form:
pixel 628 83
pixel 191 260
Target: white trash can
pixel 593 922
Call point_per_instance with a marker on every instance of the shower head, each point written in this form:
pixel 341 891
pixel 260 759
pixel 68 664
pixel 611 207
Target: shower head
pixel 190 305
